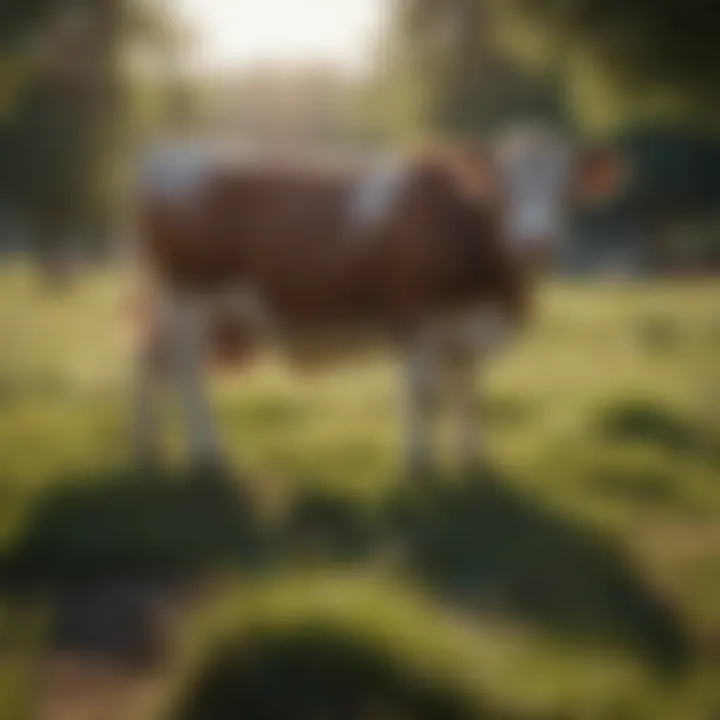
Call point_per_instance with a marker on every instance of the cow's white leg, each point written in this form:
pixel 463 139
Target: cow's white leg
pixel 188 330
pixel 466 404
pixel 146 390
pixel 150 363
pixel 421 397
pixel 475 342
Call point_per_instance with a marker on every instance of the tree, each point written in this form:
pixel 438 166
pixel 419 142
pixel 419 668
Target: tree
pixel 453 75
pixel 55 134
pixel 66 111
pixel 626 59
pixel 672 200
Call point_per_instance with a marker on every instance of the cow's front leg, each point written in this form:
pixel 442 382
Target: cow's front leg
pixel 466 404
pixel 474 343
pixel 420 369
pixel 189 330
pixel 152 356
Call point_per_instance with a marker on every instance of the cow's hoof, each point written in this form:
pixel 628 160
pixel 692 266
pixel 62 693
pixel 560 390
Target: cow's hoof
pixel 147 466
pixel 211 471
pixel 477 471
pixel 424 475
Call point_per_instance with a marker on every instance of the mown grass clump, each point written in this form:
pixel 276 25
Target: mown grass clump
pixel 316 671
pixel 640 476
pixel 660 334
pixel 650 421
pixel 332 646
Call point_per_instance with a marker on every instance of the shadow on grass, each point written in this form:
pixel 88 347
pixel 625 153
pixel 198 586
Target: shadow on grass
pixel 648 421
pixel 479 546
pixel 97 529
pixel 485 547
pixel 319 672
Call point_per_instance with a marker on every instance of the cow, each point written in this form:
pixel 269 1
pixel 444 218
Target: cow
pixel 434 255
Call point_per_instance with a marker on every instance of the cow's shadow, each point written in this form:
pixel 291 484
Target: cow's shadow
pixel 484 547
pixel 477 545
pixel 97 527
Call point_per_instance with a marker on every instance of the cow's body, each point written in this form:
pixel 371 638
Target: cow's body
pixel 416 255
pixel 313 255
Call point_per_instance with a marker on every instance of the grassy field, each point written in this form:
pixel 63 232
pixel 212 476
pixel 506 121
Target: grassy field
pixel 580 579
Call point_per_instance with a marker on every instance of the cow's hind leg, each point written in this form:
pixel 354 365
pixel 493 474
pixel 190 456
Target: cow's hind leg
pixel 466 404
pixel 421 373
pixel 189 329
pixel 146 397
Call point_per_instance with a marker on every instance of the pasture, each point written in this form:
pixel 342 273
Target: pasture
pixel 578 577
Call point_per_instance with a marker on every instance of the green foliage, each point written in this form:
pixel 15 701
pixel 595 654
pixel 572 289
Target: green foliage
pixel 676 172
pixel 644 420
pixel 452 75
pixel 55 140
pixel 647 57
pixel 64 111
pixel 325 649
pixel 468 66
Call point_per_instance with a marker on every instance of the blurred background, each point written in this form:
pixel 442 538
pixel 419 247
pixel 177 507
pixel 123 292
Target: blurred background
pixel 581 581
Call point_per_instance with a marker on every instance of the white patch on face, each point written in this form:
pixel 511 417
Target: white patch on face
pixel 535 171
pixel 375 194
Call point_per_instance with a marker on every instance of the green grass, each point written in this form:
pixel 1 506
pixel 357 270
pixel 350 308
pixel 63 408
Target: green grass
pixel 581 578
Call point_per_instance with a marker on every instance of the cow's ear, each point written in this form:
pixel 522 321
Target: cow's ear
pixel 601 175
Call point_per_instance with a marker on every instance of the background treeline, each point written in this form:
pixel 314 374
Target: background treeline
pixel 84 83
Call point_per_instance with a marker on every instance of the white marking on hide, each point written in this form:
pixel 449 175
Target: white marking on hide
pixel 535 166
pixel 175 171
pixel 375 194
pixel 421 376
pixel 188 328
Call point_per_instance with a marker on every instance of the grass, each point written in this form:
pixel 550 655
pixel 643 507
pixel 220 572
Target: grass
pixel 579 579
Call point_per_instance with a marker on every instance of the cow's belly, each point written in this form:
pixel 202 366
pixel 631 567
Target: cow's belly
pixel 237 340
pixel 241 324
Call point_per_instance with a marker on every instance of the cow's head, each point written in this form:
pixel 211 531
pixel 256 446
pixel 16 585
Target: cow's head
pixel 541 175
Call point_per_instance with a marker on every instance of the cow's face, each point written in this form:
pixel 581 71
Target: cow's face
pixel 541 176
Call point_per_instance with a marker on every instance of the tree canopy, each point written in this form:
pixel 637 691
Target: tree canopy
pixel 609 62
pixel 445 72
pixel 64 110
pixel 625 59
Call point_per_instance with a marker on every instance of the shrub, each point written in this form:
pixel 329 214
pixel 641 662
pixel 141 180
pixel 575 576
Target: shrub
pixel 324 649
pixel 648 421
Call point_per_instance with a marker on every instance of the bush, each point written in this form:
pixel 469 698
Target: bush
pixel 647 421
pixel 324 650
pixel 314 671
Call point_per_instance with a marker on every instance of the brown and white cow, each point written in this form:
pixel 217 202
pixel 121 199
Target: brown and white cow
pixel 434 255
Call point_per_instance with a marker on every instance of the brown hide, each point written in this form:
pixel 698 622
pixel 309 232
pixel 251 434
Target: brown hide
pixel 288 234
